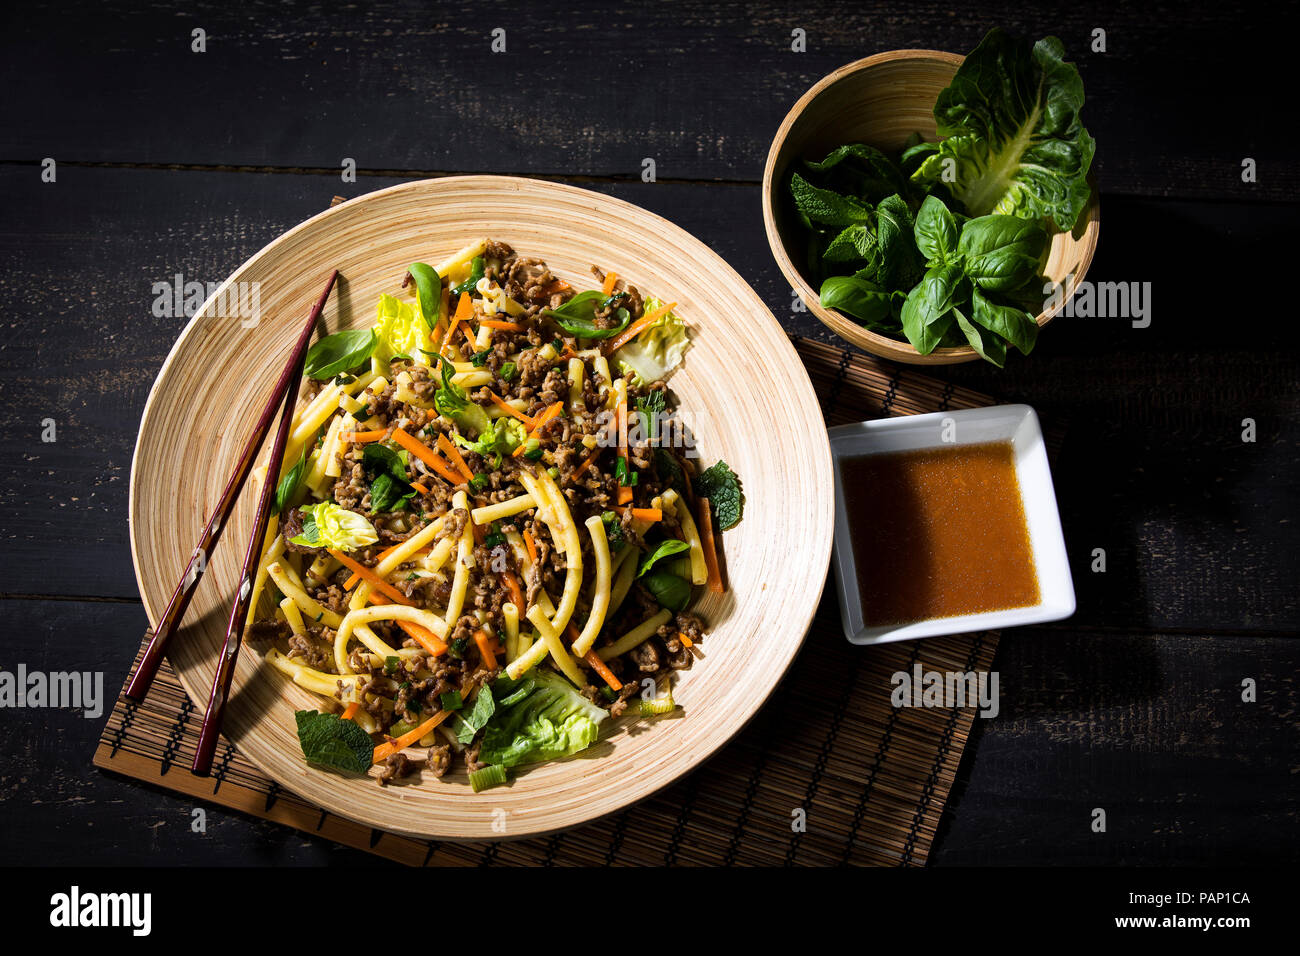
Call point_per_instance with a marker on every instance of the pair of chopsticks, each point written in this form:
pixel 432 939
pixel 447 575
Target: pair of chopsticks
pixel 283 397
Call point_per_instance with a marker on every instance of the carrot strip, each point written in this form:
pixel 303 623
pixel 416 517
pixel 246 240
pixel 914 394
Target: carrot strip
pixel 624 494
pixel 639 326
pixel 592 658
pixel 605 673
pixel 469 337
pixel 426 455
pixel 350 710
pixel 420 488
pixel 449 449
pixel 516 592
pixel 509 409
pixel 704 520
pixel 531 545
pixel 361 438
pixel 686 641
pixel 539 423
pixel 464 307
pixel 386 750
pixel 644 514
pixel 586 462
pixel 370 576
pixel 485 647
pixel 418 632
pixel 498 324
pixel 611 280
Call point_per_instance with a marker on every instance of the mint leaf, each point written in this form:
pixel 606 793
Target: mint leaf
pixel 482 711
pixel 721 486
pixel 330 741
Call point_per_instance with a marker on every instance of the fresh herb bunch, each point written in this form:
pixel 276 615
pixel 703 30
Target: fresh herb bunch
pixel 944 244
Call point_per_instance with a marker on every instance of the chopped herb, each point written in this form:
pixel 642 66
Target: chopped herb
pixel 478 482
pixel 391 664
pixel 475 273
pixel 479 359
pixel 451 700
pixel 508 370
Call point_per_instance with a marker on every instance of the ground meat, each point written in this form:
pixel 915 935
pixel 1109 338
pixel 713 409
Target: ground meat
pixel 271 630
pixel 438 762
pixel 351 491
pixel 648 656
pixel 309 652
pixel 471 757
pixel 395 767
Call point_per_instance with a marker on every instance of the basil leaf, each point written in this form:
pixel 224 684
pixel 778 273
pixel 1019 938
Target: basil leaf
pixel 386 493
pixel 1002 253
pixel 936 231
pixel 475 273
pixel 339 352
pixel 578 317
pixel 665 549
pixel 428 288
pixel 330 741
pixel 377 458
pixel 864 300
pixel 991 347
pixel 927 313
pixel 290 483
pixel 1014 324
pixel 669 590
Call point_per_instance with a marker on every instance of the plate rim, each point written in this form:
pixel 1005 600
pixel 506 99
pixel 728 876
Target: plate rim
pixel 823 463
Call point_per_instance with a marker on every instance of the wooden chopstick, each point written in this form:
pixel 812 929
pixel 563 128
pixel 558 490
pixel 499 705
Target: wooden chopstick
pixel 225 673
pixel 147 669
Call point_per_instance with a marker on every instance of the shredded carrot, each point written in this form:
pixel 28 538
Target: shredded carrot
pixel 624 494
pixel 516 592
pixel 704 518
pixel 386 750
pixel 485 648
pixel 449 449
pixel 531 545
pixel 370 576
pixel 498 324
pixel 426 455
pixel 639 326
pixel 464 307
pixel 350 583
pixel 421 634
pixel 592 658
pixel 509 409
pixel 361 438
pixel 644 514
pixel 469 337
pixel 350 710
pixel 605 673
pixel 539 423
pixel 420 488
pixel 611 280
pixel 586 462
pixel 686 641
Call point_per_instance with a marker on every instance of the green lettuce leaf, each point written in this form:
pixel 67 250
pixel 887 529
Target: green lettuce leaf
pixel 1012 136
pixel 326 525
pixel 657 351
pixel 551 721
pixel 400 330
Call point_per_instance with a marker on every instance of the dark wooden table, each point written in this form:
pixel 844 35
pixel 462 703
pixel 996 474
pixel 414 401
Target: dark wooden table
pixel 173 161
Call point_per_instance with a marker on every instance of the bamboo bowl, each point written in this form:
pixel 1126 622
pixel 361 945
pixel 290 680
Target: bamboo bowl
pixel 881 101
pixel 741 368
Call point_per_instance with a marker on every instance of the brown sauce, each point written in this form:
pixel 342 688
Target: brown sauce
pixel 937 533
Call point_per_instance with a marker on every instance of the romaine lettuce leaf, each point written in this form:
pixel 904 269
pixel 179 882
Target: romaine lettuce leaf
pixel 402 331
pixel 553 720
pixel 1012 136
pixel 653 354
pixel 326 525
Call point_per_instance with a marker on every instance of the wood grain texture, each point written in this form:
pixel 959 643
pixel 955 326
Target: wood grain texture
pixel 881 101
pixel 1175 102
pixel 739 369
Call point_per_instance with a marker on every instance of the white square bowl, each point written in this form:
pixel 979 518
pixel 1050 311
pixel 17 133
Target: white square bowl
pixel 1017 424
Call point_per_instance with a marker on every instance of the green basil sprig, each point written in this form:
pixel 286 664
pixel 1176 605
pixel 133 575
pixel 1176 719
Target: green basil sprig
pixel 578 315
pixel 428 289
pixel 340 352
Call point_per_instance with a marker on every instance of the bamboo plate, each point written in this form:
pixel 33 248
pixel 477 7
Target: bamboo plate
pixel 882 100
pixel 740 371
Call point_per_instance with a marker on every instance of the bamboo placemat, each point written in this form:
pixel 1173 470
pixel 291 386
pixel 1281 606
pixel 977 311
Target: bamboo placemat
pixel 868 781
